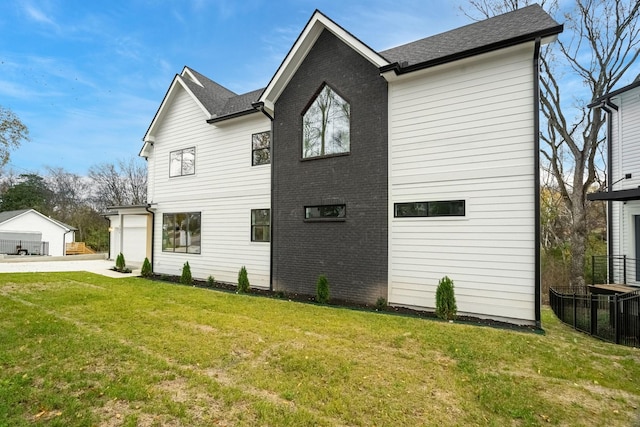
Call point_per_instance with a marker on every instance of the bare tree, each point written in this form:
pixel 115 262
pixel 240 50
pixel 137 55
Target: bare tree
pixel 120 184
pixel 12 133
pixel 599 44
pixel 69 192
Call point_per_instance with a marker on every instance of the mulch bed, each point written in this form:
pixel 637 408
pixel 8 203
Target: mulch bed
pixel 310 299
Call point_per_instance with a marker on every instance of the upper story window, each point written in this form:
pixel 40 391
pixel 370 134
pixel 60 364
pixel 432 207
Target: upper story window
pixel 326 125
pixel 260 148
pixel 182 162
pixel 429 209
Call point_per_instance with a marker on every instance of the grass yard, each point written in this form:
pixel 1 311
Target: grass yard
pixel 78 349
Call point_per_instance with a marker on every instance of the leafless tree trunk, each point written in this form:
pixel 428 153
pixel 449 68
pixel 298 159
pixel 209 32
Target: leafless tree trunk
pixel 599 44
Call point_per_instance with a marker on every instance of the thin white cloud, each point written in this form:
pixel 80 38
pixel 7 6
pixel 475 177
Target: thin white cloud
pixel 39 16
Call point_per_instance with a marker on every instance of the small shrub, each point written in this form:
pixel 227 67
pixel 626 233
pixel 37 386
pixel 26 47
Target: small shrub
pixel 211 281
pixel 381 303
pixel 146 268
pixel 186 278
pixel 120 264
pixel 445 300
pixel 322 289
pixel 243 281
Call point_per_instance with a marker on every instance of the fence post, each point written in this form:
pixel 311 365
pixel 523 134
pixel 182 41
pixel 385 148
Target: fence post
pixel 594 301
pixel 575 310
pixel 616 321
pixel 593 269
pixel 624 269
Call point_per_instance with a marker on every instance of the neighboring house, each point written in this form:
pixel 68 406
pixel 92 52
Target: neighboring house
pixel 384 171
pixel 623 190
pixel 52 234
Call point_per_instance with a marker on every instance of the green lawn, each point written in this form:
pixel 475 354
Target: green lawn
pixel 78 349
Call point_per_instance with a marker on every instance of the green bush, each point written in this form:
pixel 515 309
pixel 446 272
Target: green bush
pixel 445 300
pixel 186 278
pixel 120 264
pixel 243 281
pixel 146 268
pixel 211 281
pixel 322 289
pixel 381 303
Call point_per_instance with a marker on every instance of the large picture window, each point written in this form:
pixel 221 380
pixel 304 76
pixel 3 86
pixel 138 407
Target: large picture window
pixel 260 225
pixel 429 209
pixel 326 125
pixel 182 162
pixel 260 148
pixel 181 232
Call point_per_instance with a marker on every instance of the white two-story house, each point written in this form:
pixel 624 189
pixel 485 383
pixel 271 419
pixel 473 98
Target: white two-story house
pixel 622 109
pixel 383 170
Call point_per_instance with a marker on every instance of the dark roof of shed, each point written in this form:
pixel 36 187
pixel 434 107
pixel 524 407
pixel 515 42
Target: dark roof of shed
pixel 7 215
pixel 512 28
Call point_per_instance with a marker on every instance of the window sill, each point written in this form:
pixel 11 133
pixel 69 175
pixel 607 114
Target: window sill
pixel 326 156
pixel 324 220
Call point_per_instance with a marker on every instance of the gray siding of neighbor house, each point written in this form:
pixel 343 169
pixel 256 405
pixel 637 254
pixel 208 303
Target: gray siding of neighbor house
pixel 353 254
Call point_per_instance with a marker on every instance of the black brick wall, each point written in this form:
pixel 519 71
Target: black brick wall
pixel 353 253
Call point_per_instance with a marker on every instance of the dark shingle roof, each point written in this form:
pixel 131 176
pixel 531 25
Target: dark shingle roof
pixel 500 31
pixel 517 26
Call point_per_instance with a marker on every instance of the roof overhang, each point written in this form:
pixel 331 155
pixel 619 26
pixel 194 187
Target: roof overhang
pixel 318 23
pixel 176 85
pixel 618 196
pixel 395 69
pixel 127 210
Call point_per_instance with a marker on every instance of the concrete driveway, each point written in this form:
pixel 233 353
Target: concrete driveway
pixel 91 263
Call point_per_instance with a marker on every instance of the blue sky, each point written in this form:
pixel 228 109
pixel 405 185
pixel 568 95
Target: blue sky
pixel 86 77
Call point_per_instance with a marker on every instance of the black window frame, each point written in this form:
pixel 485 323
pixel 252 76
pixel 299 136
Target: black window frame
pixel 429 210
pixel 308 107
pixel 266 228
pixel 261 148
pixel 325 212
pixel 171 237
pixel 182 151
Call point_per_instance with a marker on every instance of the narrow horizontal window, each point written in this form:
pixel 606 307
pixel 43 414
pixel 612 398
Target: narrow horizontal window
pixel 260 225
pixel 325 212
pixel 429 209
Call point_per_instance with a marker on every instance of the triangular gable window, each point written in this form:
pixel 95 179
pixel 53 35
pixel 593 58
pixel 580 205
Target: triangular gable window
pixel 326 125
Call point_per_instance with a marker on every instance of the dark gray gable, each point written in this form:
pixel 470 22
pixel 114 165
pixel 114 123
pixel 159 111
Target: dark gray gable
pixel 7 215
pixel 500 31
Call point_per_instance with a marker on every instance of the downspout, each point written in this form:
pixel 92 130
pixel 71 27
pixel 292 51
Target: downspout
pixel 536 184
pixel 606 104
pixel 153 232
pixel 64 242
pixel 260 107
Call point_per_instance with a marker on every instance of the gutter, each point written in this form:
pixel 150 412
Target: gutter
pixel 64 242
pixel 536 185
pixel 608 107
pixel 401 68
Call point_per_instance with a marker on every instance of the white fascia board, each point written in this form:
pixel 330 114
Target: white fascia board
pixel 175 85
pixel 301 48
pixel 187 72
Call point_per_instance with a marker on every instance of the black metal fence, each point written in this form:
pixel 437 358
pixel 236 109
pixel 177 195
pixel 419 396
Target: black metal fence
pixel 613 318
pixel 24 247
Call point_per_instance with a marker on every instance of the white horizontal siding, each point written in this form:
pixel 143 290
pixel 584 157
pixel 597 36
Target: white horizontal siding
pixel 224 189
pixel 466 133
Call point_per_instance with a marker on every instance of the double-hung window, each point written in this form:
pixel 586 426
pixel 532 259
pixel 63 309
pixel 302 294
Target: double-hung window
pixel 260 148
pixel 182 162
pixel 260 225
